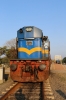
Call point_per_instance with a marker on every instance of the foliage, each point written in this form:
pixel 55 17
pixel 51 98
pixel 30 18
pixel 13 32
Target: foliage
pixel 8 50
pixel 64 60
pixel 11 43
pixel 3 50
pixel 12 53
pixel 5 60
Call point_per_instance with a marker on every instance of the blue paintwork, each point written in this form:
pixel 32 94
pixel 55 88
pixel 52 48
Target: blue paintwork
pixel 20 35
pixel 46 55
pixel 36 43
pixel 35 55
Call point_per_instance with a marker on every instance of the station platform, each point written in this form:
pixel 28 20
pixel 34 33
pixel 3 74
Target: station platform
pixel 59 68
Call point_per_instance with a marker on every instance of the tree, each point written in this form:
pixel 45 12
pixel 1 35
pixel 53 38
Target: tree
pixel 64 60
pixel 3 50
pixel 5 60
pixel 12 53
pixel 11 44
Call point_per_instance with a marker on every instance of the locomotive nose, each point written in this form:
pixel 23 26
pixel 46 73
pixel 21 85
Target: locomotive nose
pixel 42 67
pixel 13 67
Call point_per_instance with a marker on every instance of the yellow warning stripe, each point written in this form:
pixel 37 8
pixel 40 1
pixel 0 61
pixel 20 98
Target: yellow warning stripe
pixel 32 50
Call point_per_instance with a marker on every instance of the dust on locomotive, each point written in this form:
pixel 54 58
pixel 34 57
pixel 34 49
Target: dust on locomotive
pixel 33 61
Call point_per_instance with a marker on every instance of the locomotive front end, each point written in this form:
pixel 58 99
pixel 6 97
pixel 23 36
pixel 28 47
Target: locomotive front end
pixel 33 56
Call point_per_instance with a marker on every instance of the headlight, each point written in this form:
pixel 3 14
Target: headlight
pixel 42 67
pixel 46 44
pixel 13 67
pixel 28 29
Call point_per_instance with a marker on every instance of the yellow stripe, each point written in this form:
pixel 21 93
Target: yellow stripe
pixel 45 51
pixel 32 50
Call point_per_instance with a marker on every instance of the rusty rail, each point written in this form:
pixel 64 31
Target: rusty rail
pixel 13 89
pixel 16 87
pixel 42 88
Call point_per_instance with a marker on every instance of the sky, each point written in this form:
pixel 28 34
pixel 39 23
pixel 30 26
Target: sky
pixel 48 15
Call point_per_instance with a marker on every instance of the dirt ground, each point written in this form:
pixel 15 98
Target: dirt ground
pixel 58 85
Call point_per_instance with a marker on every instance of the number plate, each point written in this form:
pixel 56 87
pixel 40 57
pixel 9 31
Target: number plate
pixel 29 42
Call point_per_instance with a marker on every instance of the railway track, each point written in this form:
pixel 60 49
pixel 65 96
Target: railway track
pixel 28 91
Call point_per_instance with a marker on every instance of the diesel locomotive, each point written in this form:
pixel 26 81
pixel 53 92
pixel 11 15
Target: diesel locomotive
pixel 33 56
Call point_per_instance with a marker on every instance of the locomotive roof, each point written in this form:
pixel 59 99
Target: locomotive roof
pixel 30 26
pixel 29 32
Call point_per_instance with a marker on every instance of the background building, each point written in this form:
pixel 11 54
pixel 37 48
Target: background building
pixel 58 58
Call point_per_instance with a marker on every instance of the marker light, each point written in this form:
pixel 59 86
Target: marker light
pixel 28 29
pixel 21 31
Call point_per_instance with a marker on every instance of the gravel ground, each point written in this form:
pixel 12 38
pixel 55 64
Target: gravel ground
pixel 58 85
pixel 5 85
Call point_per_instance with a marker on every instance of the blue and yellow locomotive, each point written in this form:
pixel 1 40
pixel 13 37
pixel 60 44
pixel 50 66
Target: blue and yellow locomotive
pixel 33 60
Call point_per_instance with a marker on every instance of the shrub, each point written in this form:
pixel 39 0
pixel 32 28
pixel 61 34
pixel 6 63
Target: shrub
pixel 5 60
pixel 12 54
pixel 64 60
